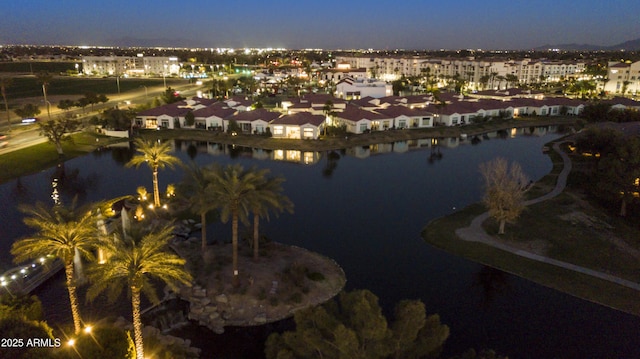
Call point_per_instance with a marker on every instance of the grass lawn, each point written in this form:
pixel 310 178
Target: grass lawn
pixel 53 67
pixel 28 87
pixel 42 156
pixel 567 228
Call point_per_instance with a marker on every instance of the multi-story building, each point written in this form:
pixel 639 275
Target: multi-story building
pixel 130 65
pixel 624 78
pixel 479 73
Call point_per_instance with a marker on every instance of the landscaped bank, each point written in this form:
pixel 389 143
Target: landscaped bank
pixel 565 228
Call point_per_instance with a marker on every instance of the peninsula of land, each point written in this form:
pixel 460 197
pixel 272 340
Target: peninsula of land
pixel 561 241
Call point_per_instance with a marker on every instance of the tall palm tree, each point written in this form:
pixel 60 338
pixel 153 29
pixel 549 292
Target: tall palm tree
pixel 6 82
pixel 62 232
pixel 199 195
pixel 157 156
pixel 267 198
pixel 137 261
pixel 234 187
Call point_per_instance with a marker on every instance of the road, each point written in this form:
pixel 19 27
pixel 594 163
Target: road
pixel 22 136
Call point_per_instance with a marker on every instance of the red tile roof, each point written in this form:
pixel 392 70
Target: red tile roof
pixel 255 115
pixel 397 111
pixel 299 119
pixel 354 113
pixel 218 109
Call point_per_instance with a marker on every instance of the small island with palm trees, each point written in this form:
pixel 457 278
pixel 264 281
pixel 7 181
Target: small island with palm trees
pixel 143 244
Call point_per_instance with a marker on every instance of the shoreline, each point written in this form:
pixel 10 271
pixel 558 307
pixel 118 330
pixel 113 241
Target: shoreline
pixel 516 255
pixel 286 279
pixel 354 140
pixel 20 162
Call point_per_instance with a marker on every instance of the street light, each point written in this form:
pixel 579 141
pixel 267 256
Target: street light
pixel 164 79
pixel 48 109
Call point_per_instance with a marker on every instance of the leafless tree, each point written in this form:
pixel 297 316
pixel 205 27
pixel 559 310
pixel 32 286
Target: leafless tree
pixel 505 186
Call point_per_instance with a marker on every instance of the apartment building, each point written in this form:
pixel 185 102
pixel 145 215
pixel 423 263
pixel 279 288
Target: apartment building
pixel 130 65
pixel 479 73
pixel 624 78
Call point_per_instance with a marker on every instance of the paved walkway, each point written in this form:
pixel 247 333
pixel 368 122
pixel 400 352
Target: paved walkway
pixel 476 233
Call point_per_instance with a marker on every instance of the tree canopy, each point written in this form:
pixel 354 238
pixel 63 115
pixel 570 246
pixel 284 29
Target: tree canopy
pixel 504 190
pixel 353 326
pixel 27 110
pixel 170 96
pixel 55 130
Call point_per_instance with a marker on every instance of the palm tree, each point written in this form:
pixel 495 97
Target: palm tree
pixel 328 112
pixel 484 80
pixel 512 80
pixel 61 232
pixel 156 155
pixel 234 187
pixel 267 198
pixel 492 77
pixel 199 195
pixel 500 79
pixel 6 82
pixel 137 261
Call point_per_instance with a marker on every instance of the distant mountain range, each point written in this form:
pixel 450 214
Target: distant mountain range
pixel 632 45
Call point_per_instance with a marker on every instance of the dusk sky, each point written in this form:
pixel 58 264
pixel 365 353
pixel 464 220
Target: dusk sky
pixel 329 24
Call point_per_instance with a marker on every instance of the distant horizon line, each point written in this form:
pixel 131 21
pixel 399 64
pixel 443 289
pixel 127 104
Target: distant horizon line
pixel 551 48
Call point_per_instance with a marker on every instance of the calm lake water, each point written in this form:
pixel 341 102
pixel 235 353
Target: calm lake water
pixel 365 208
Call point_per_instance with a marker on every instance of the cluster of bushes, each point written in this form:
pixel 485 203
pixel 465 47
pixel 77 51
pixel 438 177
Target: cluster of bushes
pixel 603 112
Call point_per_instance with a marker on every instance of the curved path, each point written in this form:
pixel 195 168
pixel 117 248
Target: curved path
pixel 476 233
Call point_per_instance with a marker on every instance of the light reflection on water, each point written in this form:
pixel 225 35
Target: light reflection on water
pixel 365 207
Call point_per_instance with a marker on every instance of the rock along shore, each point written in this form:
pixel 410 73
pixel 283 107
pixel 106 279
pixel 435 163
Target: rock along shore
pixel 284 280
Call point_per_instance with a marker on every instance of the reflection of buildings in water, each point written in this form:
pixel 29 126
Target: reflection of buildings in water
pixel 261 154
pixel 308 157
pixel 400 147
pixel 296 156
pixel 420 143
pixel 449 142
pixel 542 130
pixel 381 148
pixel 216 149
pixel 359 151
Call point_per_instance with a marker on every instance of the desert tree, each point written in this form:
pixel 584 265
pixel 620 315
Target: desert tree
pixel 27 110
pixel 57 130
pixel 618 173
pixel 505 185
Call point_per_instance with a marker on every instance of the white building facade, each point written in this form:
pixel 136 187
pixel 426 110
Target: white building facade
pixel 130 65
